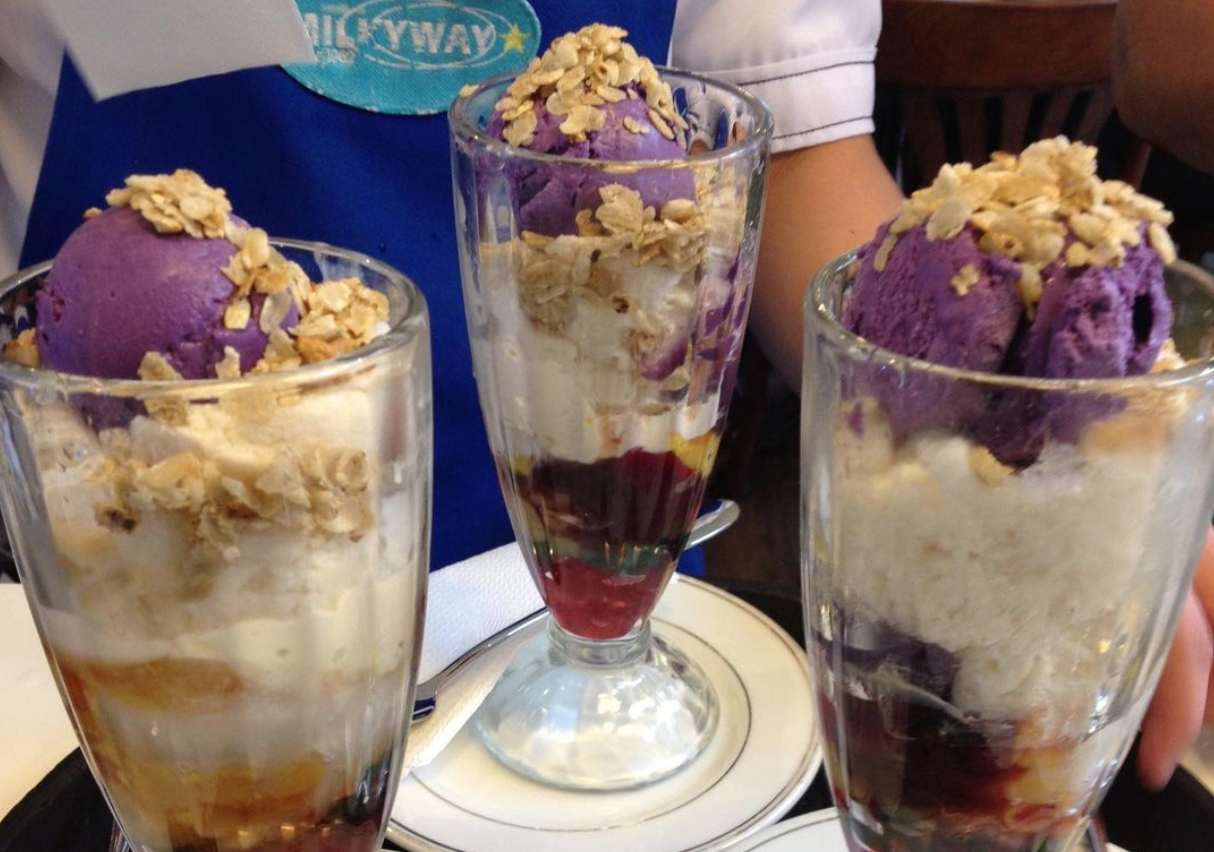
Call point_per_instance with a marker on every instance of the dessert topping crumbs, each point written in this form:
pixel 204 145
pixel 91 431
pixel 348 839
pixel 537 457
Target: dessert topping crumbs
pixel 323 490
pixel 579 73
pixel 23 350
pixel 178 203
pixel 1028 207
pixel 986 467
pixel 965 278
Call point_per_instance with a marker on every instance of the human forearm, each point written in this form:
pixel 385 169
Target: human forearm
pixel 821 201
pixel 1184 698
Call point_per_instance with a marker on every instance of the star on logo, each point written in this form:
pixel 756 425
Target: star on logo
pixel 514 39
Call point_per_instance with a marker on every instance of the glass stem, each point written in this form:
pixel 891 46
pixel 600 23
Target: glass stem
pixel 598 653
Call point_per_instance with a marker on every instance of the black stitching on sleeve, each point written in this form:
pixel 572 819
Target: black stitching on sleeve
pixel 822 127
pixel 803 73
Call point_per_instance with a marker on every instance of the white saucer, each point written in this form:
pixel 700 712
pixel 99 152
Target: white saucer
pixel 762 759
pixel 819 831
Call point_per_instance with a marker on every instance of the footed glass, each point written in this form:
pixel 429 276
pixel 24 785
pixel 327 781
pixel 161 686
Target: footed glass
pixel 228 577
pixel 606 305
pixel 993 571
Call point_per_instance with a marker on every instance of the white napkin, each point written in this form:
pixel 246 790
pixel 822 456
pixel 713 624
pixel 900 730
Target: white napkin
pixel 123 45
pixel 468 601
pixel 38 733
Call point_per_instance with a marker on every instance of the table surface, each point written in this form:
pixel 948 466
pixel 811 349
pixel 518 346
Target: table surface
pixel 40 752
pixel 39 734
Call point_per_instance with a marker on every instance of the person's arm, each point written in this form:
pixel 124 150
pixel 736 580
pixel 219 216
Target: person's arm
pixel 811 61
pixel 30 55
pixel 1163 87
pixel 821 202
pixel 1185 695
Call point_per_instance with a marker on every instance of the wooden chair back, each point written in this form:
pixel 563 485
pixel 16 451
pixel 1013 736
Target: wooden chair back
pixel 959 79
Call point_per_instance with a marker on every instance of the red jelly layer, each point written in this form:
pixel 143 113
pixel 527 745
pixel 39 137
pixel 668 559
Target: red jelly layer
pixel 598 604
pixel 607 535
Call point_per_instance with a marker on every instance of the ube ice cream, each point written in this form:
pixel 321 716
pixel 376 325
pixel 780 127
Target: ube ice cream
pixel 168 284
pixel 168 271
pixel 227 570
pixel 567 104
pixel 994 269
pixel 117 260
pixel 989 559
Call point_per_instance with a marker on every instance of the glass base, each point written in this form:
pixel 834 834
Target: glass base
pixel 598 715
pixel 866 833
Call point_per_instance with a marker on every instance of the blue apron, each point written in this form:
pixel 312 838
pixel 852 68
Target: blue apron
pixel 300 165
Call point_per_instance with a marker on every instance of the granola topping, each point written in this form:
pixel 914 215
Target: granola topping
pixel 170 410
pixel 1026 206
pixel 578 74
pixel 556 272
pixel 23 350
pixel 966 278
pixel 324 491
pixel 337 317
pixel 178 203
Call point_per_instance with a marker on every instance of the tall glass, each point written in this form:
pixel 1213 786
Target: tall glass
pixel 985 637
pixel 228 577
pixel 606 305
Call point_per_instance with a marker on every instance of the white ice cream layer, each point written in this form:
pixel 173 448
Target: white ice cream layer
pixel 286 601
pixel 578 394
pixel 1034 583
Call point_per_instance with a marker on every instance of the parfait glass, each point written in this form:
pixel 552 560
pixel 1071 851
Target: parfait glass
pixel 228 577
pixel 606 304
pixel 994 568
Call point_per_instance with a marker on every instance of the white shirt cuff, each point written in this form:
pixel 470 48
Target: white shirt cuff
pixel 815 99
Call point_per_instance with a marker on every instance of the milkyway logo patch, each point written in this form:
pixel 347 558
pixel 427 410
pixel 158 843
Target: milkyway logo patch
pixel 410 57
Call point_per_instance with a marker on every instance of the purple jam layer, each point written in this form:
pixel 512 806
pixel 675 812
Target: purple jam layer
pixel 932 781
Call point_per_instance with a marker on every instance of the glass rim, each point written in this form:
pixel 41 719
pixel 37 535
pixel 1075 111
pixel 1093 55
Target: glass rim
pixel 820 316
pixel 462 127
pixel 407 329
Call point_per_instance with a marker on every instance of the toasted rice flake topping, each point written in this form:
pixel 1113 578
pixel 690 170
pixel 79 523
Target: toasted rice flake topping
pixel 575 76
pixel 1024 207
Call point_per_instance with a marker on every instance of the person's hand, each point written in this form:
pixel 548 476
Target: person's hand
pixel 1184 698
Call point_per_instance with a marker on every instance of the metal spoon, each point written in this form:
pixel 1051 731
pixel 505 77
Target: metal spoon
pixel 708 525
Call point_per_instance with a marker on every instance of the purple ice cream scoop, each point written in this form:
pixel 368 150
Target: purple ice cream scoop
pixel 1090 322
pixel 550 195
pixel 911 307
pixel 1099 321
pixel 118 290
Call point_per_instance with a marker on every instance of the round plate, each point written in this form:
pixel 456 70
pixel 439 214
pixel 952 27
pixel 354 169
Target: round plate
pixel 819 831
pixel 761 761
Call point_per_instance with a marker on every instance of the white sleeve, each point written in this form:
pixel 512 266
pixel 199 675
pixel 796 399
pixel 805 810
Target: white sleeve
pixel 811 61
pixel 30 55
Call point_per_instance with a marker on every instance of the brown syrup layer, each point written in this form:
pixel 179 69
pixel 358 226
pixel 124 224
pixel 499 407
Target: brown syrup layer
pixel 304 804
